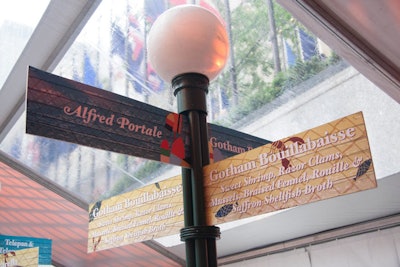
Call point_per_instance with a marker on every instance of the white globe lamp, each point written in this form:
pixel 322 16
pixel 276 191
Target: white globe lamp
pixel 187 39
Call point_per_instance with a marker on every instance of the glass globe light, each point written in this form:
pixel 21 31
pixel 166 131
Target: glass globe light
pixel 187 39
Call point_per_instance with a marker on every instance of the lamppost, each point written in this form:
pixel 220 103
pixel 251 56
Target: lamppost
pixel 188 46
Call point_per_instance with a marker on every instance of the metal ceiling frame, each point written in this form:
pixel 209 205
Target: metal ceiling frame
pixel 56 31
pixel 348 42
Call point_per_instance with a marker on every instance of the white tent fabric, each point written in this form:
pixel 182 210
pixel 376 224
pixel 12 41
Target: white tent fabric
pixel 368 250
pixel 298 258
pixel 376 249
pixel 397 245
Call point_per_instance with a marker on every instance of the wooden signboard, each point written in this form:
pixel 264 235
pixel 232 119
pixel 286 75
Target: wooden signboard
pixel 67 110
pixel 328 161
pixel 150 212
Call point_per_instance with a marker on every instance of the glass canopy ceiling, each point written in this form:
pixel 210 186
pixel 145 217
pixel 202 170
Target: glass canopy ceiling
pixel 109 53
pixel 17 24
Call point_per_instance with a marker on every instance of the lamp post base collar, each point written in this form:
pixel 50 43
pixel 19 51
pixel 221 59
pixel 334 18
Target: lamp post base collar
pixel 200 232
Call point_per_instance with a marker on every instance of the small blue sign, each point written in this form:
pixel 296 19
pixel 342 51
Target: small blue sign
pixel 13 243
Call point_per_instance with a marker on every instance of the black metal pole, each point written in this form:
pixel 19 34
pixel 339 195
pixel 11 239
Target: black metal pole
pixel 188 214
pixel 191 90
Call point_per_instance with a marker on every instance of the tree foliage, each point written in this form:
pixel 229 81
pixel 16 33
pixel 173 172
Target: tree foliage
pixel 252 51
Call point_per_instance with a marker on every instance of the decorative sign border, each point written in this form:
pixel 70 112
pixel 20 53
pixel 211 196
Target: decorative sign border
pixel 328 161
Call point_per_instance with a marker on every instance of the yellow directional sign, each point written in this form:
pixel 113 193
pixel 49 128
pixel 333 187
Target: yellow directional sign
pixel 331 160
pixel 150 212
